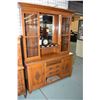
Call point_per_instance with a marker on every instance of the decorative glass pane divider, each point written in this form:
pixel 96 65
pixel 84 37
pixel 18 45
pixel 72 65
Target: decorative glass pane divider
pixel 65 25
pixel 32 46
pixel 31 24
pixel 64 43
pixel 64 33
pixel 31 34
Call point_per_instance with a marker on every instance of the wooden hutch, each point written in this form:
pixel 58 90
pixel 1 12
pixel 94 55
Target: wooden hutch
pixel 46 44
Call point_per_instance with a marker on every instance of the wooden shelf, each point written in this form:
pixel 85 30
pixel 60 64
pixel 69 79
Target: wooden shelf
pixel 64 35
pixel 29 36
pixel 49 50
pixel 50 57
pixel 49 47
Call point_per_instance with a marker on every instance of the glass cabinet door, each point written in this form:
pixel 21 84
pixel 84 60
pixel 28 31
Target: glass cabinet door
pixel 31 34
pixel 64 45
pixel 65 33
pixel 32 46
pixel 31 24
pixel 65 25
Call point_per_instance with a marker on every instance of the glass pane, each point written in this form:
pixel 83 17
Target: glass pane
pixel 32 46
pixel 31 24
pixel 64 46
pixel 65 25
pixel 65 32
pixel 46 27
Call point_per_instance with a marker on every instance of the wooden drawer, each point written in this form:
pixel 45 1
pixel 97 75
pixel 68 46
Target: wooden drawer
pixel 52 73
pixel 53 62
pixel 53 70
pixel 53 67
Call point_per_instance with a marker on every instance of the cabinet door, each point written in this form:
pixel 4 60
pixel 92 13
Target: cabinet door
pixel 65 33
pixel 66 67
pixel 35 76
pixel 31 36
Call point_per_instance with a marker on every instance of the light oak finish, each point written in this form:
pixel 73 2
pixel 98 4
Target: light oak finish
pixel 35 74
pixel 58 14
pixel 19 53
pixel 49 50
pixel 21 81
pixel 30 8
pixel 21 78
pixel 39 70
pixel 49 61
pixel 56 28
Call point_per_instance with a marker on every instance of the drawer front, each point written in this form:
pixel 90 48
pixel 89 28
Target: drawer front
pixel 53 67
pixel 52 73
pixel 53 70
pixel 53 62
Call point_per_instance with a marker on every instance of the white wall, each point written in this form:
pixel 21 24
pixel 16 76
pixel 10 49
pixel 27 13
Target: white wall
pixel 79 48
pixel 54 3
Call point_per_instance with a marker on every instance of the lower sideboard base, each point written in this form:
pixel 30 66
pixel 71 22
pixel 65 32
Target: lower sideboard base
pixel 42 73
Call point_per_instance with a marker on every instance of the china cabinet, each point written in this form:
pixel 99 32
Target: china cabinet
pixel 46 44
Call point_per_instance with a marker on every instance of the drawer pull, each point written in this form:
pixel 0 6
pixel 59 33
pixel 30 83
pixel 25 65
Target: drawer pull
pixel 50 68
pixel 50 73
pixel 57 66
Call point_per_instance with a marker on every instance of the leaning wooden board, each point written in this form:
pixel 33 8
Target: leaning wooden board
pixel 20 70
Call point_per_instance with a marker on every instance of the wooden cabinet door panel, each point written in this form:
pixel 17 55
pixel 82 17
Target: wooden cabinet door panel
pixel 66 66
pixel 35 76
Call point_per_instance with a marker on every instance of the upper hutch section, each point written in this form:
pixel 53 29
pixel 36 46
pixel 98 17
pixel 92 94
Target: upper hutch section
pixel 46 30
pixel 26 7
